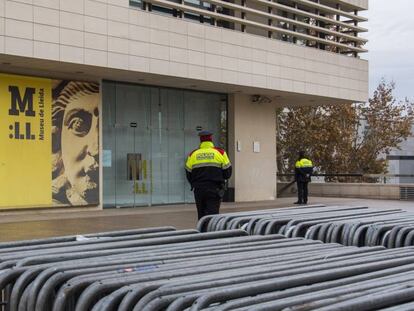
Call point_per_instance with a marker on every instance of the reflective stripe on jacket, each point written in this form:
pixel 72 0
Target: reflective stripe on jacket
pixel 208 166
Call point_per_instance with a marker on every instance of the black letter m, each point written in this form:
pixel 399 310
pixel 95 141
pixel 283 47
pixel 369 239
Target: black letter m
pixel 25 105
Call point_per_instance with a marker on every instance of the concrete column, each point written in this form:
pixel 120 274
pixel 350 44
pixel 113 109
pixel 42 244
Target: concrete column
pixel 254 171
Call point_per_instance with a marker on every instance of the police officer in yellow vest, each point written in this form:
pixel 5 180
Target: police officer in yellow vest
pixel 207 169
pixel 303 173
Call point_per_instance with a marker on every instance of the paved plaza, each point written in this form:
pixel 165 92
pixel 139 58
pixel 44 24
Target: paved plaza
pixel 46 223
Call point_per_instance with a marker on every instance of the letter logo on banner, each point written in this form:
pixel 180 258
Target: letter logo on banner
pixel 25 106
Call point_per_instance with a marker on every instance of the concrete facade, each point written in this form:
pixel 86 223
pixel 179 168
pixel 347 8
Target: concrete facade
pixel 95 40
pixel 250 124
pixel 110 35
pixel 357 3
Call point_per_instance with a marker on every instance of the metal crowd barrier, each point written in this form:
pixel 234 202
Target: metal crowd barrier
pixel 25 267
pixel 350 226
pixel 165 269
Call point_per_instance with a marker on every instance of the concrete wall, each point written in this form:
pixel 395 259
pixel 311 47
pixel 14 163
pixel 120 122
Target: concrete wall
pixel 254 172
pixel 363 4
pixel 110 34
pixel 352 190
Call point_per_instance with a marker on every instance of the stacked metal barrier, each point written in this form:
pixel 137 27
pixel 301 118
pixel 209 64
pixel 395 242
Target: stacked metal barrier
pixel 351 226
pixel 165 269
pixel 29 269
pixel 168 269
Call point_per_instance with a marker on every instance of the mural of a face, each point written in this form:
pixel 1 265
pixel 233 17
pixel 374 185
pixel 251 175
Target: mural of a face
pixel 80 147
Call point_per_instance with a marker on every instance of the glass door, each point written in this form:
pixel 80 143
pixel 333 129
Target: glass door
pixel 132 146
pixel 133 167
pixel 167 139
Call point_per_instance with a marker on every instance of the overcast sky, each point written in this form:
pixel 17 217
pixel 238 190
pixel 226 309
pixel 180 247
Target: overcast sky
pixel 391 46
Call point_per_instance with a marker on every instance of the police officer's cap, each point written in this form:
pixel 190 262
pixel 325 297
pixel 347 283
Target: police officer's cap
pixel 205 133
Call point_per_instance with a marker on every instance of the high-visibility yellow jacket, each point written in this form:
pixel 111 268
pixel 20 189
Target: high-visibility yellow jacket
pixel 208 166
pixel 303 170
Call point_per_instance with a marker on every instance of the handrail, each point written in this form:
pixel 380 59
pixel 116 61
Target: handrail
pixel 352 175
pixel 328 175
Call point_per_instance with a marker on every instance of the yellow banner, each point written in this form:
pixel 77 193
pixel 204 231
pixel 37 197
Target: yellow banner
pixel 25 141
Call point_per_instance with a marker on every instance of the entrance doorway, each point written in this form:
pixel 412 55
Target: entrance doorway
pixel 147 134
